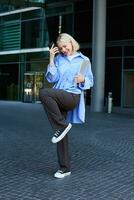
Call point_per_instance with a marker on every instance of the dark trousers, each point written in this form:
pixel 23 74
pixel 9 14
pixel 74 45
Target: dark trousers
pixel 57 103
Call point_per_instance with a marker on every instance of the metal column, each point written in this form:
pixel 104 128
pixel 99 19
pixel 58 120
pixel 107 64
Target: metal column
pixel 98 54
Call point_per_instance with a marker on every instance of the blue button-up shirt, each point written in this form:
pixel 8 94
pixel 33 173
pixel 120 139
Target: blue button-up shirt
pixel 62 73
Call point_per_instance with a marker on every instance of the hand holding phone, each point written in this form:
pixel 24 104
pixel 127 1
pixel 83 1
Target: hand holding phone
pixel 53 52
pixel 54 49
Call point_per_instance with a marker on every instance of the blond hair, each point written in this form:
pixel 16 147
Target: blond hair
pixel 64 37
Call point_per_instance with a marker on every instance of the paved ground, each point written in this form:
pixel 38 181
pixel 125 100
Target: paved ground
pixel 102 152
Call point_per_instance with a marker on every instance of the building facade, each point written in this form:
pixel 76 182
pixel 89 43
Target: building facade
pixel 28 26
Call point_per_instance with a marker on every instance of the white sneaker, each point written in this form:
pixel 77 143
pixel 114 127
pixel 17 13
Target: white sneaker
pixel 60 134
pixel 61 174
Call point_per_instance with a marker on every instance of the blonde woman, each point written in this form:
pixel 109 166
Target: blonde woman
pixel 64 103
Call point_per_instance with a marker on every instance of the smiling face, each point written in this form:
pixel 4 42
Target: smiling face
pixel 65 48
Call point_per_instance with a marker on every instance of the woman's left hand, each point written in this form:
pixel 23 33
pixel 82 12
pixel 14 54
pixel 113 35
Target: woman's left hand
pixel 79 78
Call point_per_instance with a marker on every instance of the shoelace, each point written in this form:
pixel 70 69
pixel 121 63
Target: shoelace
pixel 57 133
pixel 61 172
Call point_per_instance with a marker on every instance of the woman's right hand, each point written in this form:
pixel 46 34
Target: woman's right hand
pixel 53 51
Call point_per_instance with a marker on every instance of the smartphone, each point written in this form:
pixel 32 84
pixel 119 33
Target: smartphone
pixel 50 45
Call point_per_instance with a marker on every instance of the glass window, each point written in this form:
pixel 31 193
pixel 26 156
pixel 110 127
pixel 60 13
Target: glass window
pixel 67 27
pixel 31 34
pixel 11 17
pixel 10 35
pixel 113 51
pixel 119 22
pixel 9 81
pixel 113 79
pixel 129 63
pixel 53 25
pixel 82 25
pixel 83 6
pixel 5 7
pixel 31 14
pixel 36 61
pixel 52 1
pixel 87 52
pixel 37 1
pixel 118 2
pixel 129 51
pixel 59 10
pixel 9 58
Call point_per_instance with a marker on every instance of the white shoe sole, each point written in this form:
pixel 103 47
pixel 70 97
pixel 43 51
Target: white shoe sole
pixel 58 175
pixel 55 140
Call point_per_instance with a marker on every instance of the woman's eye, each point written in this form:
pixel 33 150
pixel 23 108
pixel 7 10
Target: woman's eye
pixel 63 47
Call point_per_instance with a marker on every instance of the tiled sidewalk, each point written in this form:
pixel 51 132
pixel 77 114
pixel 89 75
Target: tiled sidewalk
pixel 102 154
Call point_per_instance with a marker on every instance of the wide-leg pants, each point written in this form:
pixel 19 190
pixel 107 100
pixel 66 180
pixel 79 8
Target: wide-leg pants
pixel 57 103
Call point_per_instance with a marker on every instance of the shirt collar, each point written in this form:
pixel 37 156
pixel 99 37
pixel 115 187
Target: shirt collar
pixel 78 54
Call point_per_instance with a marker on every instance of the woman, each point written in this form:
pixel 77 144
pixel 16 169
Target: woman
pixel 64 103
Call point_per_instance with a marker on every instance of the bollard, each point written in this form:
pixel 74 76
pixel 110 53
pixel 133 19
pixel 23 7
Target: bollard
pixel 110 102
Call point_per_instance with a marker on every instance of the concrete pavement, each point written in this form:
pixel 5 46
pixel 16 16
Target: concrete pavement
pixel 102 156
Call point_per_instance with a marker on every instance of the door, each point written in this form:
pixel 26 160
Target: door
pixel 129 89
pixel 38 83
pixel 33 81
pixel 28 87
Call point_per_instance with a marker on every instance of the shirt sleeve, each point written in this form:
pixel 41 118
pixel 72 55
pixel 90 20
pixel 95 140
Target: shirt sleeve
pixel 52 74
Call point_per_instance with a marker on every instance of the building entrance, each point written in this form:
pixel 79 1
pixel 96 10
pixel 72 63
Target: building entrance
pixel 33 81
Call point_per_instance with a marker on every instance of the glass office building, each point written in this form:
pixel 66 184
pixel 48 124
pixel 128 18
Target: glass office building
pixel 27 27
pixel 23 51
